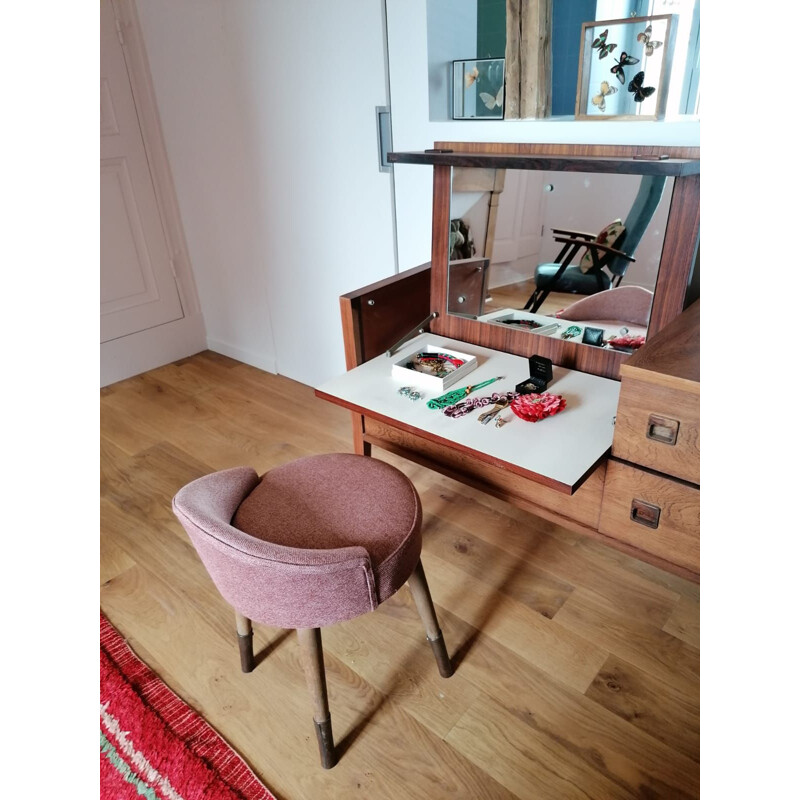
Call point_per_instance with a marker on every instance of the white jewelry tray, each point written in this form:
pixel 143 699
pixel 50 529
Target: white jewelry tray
pixel 549 325
pixel 424 380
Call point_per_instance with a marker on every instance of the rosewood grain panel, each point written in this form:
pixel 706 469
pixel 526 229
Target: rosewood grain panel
pixel 640 406
pixel 377 316
pixel 677 255
pixel 674 167
pixel 672 357
pixel 677 535
pixel 583 506
pixel 554 149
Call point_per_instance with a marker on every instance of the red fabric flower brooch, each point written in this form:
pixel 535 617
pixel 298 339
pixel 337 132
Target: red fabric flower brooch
pixel 632 342
pixel 533 407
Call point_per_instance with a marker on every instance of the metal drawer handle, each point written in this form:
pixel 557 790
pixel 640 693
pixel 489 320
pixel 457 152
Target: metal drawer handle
pixel 645 514
pixel 662 429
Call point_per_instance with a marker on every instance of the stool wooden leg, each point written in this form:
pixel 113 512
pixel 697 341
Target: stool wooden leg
pixel 314 667
pixel 244 629
pixel 422 597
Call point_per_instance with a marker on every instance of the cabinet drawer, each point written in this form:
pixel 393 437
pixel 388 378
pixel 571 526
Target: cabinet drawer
pixel 653 513
pixel 659 427
pixel 583 506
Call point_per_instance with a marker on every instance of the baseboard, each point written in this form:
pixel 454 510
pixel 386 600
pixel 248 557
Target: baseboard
pixel 131 355
pixel 267 363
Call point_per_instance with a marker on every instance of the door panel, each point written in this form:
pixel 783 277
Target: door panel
pixel 137 285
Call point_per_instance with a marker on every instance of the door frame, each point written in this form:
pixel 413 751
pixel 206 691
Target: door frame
pixel 130 355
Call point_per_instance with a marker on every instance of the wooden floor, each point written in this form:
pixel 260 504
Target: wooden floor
pixel 577 667
pixel 515 295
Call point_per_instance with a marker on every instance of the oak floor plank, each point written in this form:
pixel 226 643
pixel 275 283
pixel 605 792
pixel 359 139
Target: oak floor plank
pixel 564 561
pixel 684 622
pixel 543 642
pixel 525 761
pixel 654 651
pixel 116 559
pixel 612 558
pixel 516 576
pixel 535 617
pixel 646 703
pixel 387 745
pixel 390 650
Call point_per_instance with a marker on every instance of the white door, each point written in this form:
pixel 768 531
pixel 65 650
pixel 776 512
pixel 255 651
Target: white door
pixel 137 284
pixel 518 235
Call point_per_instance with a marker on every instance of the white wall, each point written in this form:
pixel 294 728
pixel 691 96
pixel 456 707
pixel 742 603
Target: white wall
pixel 412 129
pixel 457 23
pixel 268 111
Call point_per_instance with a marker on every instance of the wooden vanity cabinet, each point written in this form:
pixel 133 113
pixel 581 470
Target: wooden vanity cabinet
pixel 643 497
pixel 651 497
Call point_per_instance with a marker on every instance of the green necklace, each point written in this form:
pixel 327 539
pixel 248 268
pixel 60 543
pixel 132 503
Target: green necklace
pixel 451 398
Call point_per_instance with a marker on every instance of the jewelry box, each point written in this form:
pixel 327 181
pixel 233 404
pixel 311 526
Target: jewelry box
pixel 428 381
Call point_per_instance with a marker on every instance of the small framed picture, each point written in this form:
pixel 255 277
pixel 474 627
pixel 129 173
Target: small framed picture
pixel 624 68
pixel 478 87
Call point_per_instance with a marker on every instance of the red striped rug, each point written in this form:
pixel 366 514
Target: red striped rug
pixel 154 746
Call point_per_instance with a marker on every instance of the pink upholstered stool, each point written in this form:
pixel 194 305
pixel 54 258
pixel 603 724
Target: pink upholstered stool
pixel 313 542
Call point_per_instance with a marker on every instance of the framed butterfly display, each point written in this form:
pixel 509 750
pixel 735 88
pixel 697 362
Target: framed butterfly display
pixel 624 68
pixel 478 88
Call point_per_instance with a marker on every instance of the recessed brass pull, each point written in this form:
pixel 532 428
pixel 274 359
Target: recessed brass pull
pixel 662 429
pixel 645 514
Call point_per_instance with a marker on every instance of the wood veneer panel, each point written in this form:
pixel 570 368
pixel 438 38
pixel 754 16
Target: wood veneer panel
pixel 677 253
pixel 377 316
pixel 672 357
pixel 583 506
pixel 554 149
pixel 638 403
pixel 677 536
pixel 663 379
pixel 672 167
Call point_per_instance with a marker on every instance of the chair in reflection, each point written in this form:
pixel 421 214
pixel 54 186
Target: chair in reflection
pixel 602 266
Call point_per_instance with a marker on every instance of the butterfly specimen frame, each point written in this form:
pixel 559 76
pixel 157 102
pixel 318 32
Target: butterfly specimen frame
pixel 624 69
pixel 478 88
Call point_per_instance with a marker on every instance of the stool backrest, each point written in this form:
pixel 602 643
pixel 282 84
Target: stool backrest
pixel 273 584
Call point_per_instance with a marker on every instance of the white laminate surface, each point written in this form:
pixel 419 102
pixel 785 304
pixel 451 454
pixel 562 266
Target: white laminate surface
pixel 560 448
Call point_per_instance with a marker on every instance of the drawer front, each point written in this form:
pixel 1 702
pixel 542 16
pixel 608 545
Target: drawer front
pixel 659 428
pixel 582 507
pixel 653 513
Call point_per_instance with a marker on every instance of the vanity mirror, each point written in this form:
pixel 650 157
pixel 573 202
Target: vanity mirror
pixel 657 193
pixel 508 217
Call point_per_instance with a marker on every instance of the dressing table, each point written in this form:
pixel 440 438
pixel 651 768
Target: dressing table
pixel 585 468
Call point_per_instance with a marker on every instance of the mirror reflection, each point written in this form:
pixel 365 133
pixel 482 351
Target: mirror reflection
pixel 557 253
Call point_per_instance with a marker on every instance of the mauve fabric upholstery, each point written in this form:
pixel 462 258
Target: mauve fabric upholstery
pixel 625 304
pixel 315 541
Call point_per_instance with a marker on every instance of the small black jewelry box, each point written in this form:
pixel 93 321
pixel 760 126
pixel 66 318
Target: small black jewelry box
pixel 593 336
pixel 541 370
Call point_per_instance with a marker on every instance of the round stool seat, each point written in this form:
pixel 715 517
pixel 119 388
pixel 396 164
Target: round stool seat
pixel 337 500
pixel 313 542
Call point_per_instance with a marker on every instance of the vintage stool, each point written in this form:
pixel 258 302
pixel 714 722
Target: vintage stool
pixel 313 542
